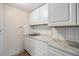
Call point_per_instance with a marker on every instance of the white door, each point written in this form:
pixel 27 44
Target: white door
pixel 1 30
pixel 34 17
pixel 62 14
pixel 43 14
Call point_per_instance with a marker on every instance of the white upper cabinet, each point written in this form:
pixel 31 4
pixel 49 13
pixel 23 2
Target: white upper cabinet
pixel 39 16
pixel 43 15
pixel 62 14
pixel 34 17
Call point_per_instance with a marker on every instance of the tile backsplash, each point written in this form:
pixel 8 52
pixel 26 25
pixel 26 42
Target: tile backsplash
pixel 42 29
pixel 60 33
pixel 66 33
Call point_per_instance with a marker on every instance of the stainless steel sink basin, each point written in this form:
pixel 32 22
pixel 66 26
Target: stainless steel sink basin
pixel 36 34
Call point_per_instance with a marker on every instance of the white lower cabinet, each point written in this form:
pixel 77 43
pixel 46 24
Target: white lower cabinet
pixel 32 47
pixel 35 47
pixel 41 48
pixel 29 45
pixel 53 52
pixel 58 52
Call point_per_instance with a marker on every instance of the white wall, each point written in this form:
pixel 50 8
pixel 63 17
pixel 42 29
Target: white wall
pixel 14 19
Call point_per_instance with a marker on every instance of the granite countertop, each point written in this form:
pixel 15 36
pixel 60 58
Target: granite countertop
pixel 42 38
pixel 65 45
pixel 68 46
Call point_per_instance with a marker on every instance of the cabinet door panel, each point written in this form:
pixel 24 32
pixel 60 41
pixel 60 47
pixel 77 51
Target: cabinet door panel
pixel 59 12
pixel 41 48
pixel 32 52
pixel 34 17
pixel 57 52
pixel 62 14
pixel 43 14
pixel 29 45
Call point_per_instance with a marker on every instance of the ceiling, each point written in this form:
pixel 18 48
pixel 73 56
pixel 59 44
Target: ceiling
pixel 28 7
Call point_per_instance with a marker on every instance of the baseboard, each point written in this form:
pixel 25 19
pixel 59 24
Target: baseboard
pixel 27 52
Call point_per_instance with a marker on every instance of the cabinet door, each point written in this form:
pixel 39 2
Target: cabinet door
pixel 53 52
pixel 32 51
pixel 40 48
pixel 29 45
pixel 62 14
pixel 1 30
pixel 43 14
pixel 26 43
pixel 34 17
pixel 57 52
